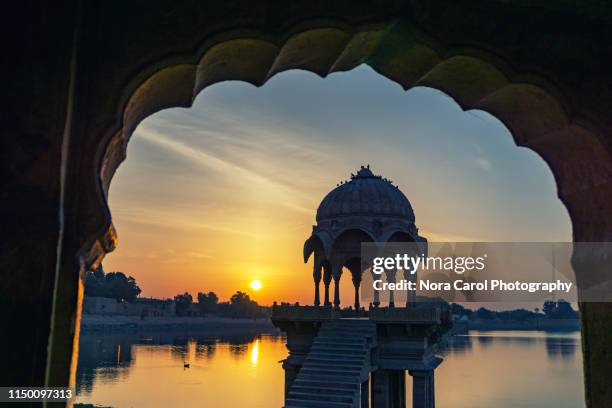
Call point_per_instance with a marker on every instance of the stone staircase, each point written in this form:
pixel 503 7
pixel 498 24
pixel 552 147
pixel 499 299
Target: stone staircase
pixel 337 364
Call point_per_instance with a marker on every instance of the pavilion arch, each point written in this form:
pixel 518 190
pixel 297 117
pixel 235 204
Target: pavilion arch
pixel 320 240
pixel 351 238
pixel 345 254
pixel 397 236
pixel 125 66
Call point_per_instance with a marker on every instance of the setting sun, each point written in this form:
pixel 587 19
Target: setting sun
pixel 256 284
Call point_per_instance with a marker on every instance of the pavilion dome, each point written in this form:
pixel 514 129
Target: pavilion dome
pixel 365 194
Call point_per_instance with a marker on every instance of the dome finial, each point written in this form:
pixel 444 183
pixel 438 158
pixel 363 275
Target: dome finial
pixel 364 172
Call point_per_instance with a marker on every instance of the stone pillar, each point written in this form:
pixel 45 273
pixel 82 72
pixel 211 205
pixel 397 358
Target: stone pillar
pixel 365 394
pixel 327 277
pixel 376 294
pixel 291 372
pixel 389 389
pixel 316 274
pixel 391 279
pixel 337 291
pixel 397 389
pixel 380 389
pixel 356 283
pixel 410 295
pixel 423 391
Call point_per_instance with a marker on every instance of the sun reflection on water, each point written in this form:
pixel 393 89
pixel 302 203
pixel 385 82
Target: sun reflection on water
pixel 255 353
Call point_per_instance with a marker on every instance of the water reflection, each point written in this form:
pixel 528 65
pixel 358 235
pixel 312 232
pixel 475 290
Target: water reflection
pixel 482 369
pixel 561 348
pixel 511 369
pixel 255 353
pixel 106 359
pixel 458 345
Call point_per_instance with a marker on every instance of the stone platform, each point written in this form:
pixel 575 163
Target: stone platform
pixel 349 362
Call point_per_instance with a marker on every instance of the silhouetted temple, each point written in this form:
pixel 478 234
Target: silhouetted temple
pixel 357 357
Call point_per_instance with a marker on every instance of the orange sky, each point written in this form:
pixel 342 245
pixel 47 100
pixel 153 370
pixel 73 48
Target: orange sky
pixel 213 197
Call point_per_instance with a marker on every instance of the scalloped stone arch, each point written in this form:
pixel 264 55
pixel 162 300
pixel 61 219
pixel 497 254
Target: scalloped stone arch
pixel 535 110
pixel 537 117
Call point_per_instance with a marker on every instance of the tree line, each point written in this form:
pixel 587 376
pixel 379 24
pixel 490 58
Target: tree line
pixel 114 285
pixel 239 305
pixel 117 285
pixel 551 309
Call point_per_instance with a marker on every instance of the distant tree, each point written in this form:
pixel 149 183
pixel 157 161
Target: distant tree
pixel 94 283
pixel 565 310
pixel 241 305
pixel 460 310
pixel 517 315
pixel 549 308
pixel 111 285
pixel 121 287
pixel 208 302
pixel 560 309
pixel 182 303
pixel 485 314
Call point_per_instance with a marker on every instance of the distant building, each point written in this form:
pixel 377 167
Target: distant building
pixel 146 307
pixel 194 310
pixel 154 307
pixel 100 306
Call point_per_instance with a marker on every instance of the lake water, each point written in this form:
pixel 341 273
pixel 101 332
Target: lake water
pixel 503 369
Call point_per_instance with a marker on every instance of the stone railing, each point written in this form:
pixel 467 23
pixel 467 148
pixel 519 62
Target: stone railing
pixel 296 312
pixel 427 315
pixel 406 314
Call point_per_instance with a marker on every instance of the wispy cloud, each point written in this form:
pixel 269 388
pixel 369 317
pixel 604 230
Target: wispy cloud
pixel 176 220
pixel 288 196
pixel 483 163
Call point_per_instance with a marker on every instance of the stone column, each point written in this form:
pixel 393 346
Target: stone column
pixel 410 295
pixel 336 271
pixel 380 389
pixel 397 389
pixel 391 279
pixel 337 291
pixel 291 372
pixel 376 294
pixel 389 389
pixel 327 277
pixel 423 392
pixel 316 274
pixel 365 394
pixel 356 283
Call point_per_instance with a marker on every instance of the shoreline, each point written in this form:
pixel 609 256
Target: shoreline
pixel 134 324
pixel 549 325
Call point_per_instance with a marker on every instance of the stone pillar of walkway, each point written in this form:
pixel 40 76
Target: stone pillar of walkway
pixel 389 389
pixel 380 389
pixel 423 391
pixel 365 394
pixel 291 372
pixel 397 388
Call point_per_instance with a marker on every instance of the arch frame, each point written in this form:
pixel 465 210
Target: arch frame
pixel 87 104
pixel 538 112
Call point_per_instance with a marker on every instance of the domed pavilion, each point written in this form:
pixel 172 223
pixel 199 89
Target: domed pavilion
pixel 366 208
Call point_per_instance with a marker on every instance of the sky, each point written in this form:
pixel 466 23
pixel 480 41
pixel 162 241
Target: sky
pixel 225 192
